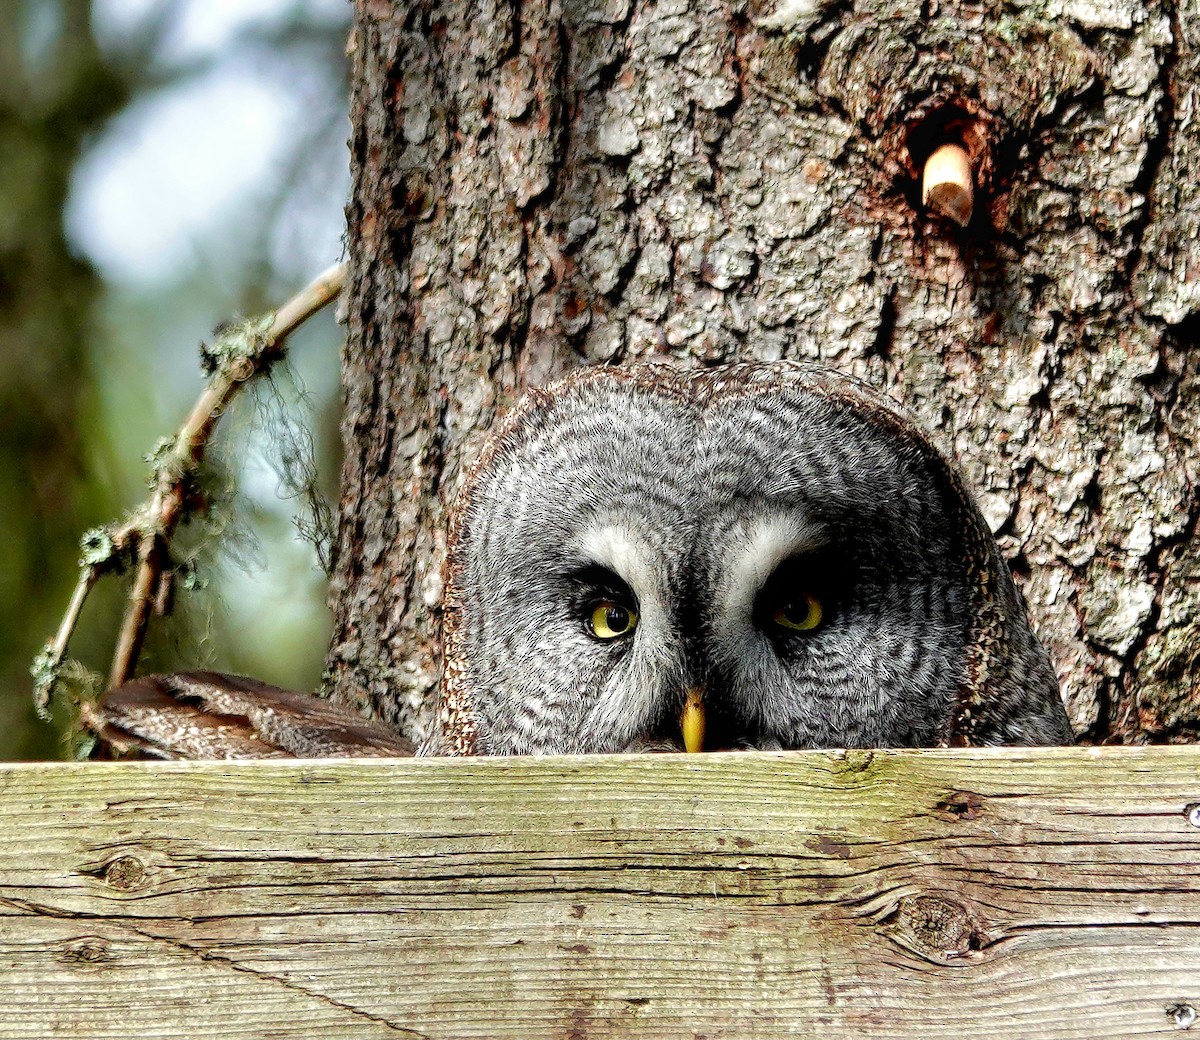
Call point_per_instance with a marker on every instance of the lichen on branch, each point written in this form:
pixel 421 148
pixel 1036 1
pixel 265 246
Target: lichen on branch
pixel 239 352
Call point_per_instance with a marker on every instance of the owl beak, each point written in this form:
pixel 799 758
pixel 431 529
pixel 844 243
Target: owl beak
pixel 691 721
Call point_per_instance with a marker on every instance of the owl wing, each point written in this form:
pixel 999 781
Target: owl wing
pixel 209 715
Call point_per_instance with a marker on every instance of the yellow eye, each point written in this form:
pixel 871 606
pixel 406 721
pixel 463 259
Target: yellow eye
pixel 609 620
pixel 800 613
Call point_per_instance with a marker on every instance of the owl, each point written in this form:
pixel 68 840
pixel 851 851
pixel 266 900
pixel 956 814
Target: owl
pixel 752 556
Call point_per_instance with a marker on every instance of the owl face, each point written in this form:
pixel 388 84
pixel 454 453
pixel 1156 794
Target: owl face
pixel 776 546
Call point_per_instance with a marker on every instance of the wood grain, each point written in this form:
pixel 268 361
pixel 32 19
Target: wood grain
pixel 1003 893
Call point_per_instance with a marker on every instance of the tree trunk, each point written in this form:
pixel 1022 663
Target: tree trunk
pixel 542 185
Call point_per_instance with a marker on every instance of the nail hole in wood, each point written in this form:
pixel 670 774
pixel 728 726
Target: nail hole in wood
pixel 1182 1015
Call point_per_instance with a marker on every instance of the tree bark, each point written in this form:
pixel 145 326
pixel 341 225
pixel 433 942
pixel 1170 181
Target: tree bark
pixel 548 184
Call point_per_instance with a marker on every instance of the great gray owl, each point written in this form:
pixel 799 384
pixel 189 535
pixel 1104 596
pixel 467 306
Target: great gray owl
pixel 755 556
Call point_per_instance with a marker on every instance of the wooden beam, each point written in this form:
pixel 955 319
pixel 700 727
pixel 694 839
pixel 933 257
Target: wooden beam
pixel 981 893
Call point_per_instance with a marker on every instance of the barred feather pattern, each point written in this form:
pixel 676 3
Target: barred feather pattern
pixel 699 492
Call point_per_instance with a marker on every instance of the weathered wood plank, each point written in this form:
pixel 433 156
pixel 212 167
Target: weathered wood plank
pixel 1006 893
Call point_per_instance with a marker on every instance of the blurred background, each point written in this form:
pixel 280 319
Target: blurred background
pixel 164 165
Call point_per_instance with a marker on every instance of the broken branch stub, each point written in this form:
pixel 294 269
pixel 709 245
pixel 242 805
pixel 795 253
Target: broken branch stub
pixel 947 183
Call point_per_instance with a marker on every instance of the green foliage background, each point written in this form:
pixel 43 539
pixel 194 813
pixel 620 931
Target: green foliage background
pixel 95 369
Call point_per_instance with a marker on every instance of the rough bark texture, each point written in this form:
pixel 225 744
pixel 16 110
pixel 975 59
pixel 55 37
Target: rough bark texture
pixel 548 184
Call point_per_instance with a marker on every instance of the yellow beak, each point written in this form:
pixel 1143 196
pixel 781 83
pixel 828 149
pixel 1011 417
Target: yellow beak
pixel 692 719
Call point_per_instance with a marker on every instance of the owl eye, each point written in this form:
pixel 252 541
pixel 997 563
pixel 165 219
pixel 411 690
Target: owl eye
pixel 800 613
pixel 608 619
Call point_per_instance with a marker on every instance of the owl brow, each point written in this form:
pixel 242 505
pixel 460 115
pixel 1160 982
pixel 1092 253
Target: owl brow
pixel 813 571
pixel 594 578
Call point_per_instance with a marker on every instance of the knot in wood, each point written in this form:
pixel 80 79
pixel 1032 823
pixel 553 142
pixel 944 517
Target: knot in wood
pixel 854 764
pixel 125 873
pixel 960 805
pixel 91 950
pixel 241 369
pixel 939 927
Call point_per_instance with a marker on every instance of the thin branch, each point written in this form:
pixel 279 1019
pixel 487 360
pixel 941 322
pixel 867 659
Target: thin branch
pixel 239 353
pixel 319 293
pixel 87 579
pixel 190 443
pixel 133 627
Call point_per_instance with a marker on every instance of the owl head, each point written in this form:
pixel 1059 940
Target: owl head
pixel 769 556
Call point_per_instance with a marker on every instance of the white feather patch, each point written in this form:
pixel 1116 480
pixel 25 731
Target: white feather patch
pixel 616 547
pixel 625 707
pixel 757 547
